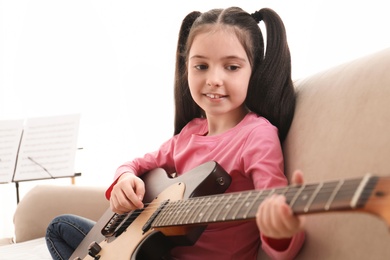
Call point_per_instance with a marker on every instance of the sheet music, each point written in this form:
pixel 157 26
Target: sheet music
pixel 48 148
pixel 10 134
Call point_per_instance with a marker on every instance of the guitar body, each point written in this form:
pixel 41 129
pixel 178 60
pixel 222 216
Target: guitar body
pixel 177 210
pixel 135 243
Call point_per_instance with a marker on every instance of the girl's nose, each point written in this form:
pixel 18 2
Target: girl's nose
pixel 215 78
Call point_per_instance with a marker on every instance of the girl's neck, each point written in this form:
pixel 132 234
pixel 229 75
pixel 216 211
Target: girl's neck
pixel 218 124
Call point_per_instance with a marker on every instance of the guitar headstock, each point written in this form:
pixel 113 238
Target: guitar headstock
pixel 378 202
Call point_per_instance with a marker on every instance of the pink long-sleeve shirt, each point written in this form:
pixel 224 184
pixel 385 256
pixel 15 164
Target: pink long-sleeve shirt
pixel 251 153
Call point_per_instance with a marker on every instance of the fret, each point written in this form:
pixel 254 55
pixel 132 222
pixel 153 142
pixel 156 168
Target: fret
pixel 345 195
pixel 239 208
pixel 222 209
pixel 232 205
pixel 307 197
pixel 310 201
pixel 212 201
pixel 359 191
pixel 182 210
pixel 322 197
pixel 367 192
pixel 271 192
pixel 189 208
pixel 252 210
pixel 294 199
pixel 333 195
pixel 283 190
pixel 217 206
pixel 179 212
pixel 291 193
pixel 204 209
pixel 197 210
pixel 169 213
pixel 251 203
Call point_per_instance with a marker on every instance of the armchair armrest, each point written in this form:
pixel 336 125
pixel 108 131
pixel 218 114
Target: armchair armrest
pixel 6 241
pixel 44 202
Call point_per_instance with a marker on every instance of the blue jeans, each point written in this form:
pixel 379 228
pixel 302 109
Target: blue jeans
pixel 65 233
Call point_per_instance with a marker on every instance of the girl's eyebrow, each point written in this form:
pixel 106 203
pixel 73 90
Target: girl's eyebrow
pixel 233 57
pixel 197 57
pixel 230 57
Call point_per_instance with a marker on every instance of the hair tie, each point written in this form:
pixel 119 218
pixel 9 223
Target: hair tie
pixel 257 16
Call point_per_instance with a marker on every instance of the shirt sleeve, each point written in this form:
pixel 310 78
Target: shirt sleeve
pixel 264 162
pixel 289 253
pixel 162 158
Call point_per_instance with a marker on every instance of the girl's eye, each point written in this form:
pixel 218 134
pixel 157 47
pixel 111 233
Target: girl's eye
pixel 201 67
pixel 233 67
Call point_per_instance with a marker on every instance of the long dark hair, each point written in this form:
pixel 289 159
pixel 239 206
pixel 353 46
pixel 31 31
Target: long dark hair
pixel 271 92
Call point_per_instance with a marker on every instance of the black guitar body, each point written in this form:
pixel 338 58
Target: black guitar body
pixel 207 179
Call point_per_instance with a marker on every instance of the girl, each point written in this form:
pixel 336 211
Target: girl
pixel 234 104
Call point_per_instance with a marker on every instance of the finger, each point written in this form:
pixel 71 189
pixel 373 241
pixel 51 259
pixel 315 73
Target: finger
pixel 130 199
pixel 130 192
pixel 140 189
pixel 290 222
pixel 261 217
pixel 266 217
pixel 297 177
pixel 117 205
pixel 280 221
pixel 122 196
pixel 279 228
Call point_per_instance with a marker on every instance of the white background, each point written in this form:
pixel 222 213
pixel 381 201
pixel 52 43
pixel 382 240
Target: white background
pixel 113 62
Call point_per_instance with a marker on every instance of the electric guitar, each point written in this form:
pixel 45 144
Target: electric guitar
pixel 177 210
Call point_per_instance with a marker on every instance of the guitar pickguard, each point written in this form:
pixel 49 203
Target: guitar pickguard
pixel 206 179
pixel 125 245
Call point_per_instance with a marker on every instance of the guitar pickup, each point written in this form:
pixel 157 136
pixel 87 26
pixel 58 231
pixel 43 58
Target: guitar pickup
pixel 148 224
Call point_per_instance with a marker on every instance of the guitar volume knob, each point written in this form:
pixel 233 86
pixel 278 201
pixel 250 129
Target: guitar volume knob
pixel 94 249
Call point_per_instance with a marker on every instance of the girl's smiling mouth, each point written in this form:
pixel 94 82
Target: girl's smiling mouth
pixel 214 96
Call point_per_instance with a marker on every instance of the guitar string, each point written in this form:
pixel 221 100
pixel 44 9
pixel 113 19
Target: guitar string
pixel 374 200
pixel 324 192
pixel 154 205
pixel 344 192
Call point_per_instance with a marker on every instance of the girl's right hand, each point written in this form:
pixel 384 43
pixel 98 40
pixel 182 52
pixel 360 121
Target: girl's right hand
pixel 127 193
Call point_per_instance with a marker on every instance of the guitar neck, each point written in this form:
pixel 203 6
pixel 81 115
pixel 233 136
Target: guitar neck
pixel 340 195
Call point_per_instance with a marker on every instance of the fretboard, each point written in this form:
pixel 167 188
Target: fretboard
pixel 311 198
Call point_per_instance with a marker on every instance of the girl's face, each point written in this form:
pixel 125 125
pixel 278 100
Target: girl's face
pixel 219 73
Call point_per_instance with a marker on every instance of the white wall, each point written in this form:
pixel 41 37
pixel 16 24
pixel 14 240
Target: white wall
pixel 113 62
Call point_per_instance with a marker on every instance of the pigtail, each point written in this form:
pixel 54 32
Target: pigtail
pixel 185 107
pixel 271 92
